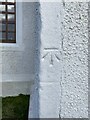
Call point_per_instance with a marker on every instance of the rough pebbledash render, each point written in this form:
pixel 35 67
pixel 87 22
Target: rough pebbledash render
pixel 61 78
pixel 74 101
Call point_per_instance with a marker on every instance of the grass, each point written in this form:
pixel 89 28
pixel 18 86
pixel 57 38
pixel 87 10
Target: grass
pixel 15 108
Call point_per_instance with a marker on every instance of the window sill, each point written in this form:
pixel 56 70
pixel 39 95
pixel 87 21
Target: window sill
pixel 11 47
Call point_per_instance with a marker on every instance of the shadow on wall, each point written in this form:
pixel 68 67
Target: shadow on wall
pixel 34 101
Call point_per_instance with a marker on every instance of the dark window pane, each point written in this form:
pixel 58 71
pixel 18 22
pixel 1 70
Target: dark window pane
pixel 10 8
pixel 2 27
pixel 10 36
pixel 11 27
pixel 2 35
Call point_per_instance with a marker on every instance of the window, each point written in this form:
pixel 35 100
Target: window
pixel 7 21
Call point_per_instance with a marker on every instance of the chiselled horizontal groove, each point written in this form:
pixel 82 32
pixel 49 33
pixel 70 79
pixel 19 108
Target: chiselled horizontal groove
pixel 50 48
pixel 7 3
pixel 4 12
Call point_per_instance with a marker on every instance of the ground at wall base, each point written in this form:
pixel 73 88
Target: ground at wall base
pixel 15 108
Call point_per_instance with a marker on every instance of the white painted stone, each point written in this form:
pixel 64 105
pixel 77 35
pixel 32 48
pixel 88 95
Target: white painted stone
pixel 49 96
pixel 45 98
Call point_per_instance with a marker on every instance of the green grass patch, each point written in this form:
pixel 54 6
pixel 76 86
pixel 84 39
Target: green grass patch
pixel 15 108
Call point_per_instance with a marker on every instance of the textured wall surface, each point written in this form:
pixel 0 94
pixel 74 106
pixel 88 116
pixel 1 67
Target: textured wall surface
pixel 74 85
pixel 18 62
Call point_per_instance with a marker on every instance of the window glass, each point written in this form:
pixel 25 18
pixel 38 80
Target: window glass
pixel 2 0
pixel 2 17
pixel 11 27
pixel 2 27
pixel 10 8
pixel 10 36
pixel 10 0
pixel 10 17
pixel 2 8
pixel 7 21
pixel 2 36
